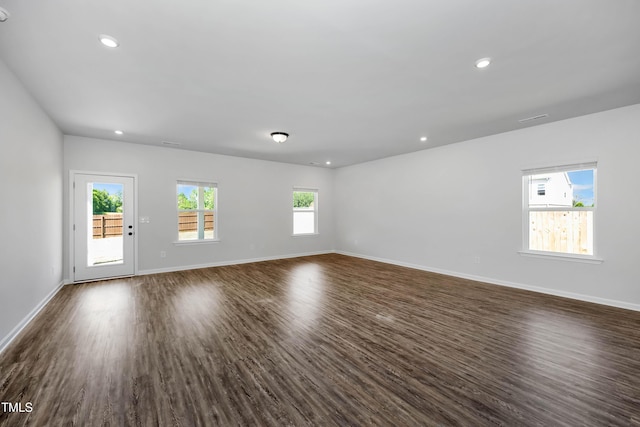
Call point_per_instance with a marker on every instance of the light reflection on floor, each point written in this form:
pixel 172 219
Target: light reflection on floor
pixel 305 295
pixel 561 348
pixel 195 308
pixel 105 318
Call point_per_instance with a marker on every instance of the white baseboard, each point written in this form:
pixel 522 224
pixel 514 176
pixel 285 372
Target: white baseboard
pixel 571 295
pixel 232 262
pixel 4 343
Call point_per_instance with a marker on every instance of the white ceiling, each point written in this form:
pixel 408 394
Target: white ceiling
pixel 350 80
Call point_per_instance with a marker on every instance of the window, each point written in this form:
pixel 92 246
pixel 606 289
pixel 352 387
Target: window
pixel 305 211
pixel 559 210
pixel 197 211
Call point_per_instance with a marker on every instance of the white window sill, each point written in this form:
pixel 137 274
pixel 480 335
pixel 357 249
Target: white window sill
pixel 195 242
pixel 588 259
pixel 305 234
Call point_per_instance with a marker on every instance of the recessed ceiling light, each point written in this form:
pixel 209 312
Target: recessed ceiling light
pixel 328 162
pixel 483 63
pixel 108 41
pixel 423 139
pixel 4 15
pixel 118 132
pixel 279 137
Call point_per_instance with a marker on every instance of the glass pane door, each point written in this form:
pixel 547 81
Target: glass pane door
pixel 105 233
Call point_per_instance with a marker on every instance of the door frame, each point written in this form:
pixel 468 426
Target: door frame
pixel 71 218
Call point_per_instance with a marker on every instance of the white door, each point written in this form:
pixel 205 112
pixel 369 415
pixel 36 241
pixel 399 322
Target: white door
pixel 103 229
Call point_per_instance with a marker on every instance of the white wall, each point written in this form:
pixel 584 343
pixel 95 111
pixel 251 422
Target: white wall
pixel 254 202
pixel 31 212
pixel 439 209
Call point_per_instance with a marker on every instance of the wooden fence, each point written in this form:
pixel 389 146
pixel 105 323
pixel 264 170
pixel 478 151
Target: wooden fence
pixel 188 221
pixel 110 225
pixel 564 231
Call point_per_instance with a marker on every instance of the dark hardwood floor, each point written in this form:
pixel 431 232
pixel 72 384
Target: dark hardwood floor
pixel 324 340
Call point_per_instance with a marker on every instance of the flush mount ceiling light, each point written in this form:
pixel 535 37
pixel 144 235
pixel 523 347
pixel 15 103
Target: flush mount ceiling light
pixel 118 132
pixel 327 162
pixel 423 139
pixel 483 63
pixel 108 41
pixel 4 15
pixel 279 137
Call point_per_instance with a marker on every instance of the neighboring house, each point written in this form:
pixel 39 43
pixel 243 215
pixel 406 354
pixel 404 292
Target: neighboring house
pixel 550 190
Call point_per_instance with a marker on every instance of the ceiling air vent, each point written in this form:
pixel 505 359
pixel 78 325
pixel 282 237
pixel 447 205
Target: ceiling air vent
pixel 171 144
pixel 530 119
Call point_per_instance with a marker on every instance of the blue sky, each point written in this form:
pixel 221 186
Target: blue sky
pixel 186 189
pixel 582 186
pixel 111 188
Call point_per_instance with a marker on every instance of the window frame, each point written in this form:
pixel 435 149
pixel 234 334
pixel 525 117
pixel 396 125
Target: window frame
pixel 201 184
pixel 315 210
pixel 526 209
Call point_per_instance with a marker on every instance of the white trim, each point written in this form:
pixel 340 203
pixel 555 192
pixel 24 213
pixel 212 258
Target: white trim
pixel 554 292
pixel 231 262
pixel 103 279
pixel 316 196
pixel 527 209
pixel 305 234
pixel 71 218
pixel 195 242
pixel 561 209
pixel 8 339
pixel 200 184
pixel 561 256
pixel 562 167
